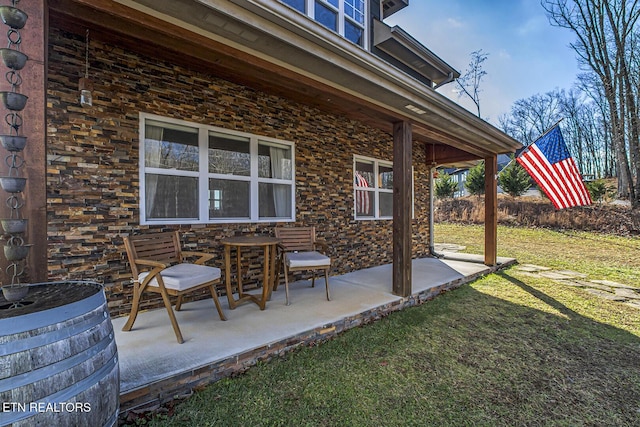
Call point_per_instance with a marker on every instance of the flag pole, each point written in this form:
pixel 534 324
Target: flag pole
pixel 547 131
pixel 537 139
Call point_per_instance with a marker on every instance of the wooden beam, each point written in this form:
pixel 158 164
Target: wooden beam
pixel 422 132
pixel 445 155
pixel 491 210
pixel 402 233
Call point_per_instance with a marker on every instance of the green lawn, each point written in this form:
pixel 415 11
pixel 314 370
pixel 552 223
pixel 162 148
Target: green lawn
pixel 506 350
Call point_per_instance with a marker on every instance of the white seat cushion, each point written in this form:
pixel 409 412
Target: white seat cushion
pixel 307 259
pixel 184 276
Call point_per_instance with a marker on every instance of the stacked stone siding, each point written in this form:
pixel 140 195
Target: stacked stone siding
pixel 93 157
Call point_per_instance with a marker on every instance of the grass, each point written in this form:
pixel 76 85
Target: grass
pixel 507 350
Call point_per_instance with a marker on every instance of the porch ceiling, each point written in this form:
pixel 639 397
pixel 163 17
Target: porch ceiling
pixel 270 47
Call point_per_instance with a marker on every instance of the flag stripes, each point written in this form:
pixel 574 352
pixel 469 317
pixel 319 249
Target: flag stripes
pixel 560 180
pixel 363 202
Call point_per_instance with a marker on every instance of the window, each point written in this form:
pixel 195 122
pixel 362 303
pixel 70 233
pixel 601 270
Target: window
pixel 373 188
pixel 346 17
pixel 200 174
pixel 299 5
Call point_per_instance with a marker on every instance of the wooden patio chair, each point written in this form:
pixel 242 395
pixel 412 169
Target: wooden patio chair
pixel 299 250
pixel 159 265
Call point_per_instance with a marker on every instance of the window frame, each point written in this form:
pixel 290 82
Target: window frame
pixel 342 17
pixel 203 175
pixel 375 189
pixel 376 168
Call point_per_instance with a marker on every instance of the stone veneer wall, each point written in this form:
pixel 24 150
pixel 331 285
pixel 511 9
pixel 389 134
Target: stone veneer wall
pixel 93 176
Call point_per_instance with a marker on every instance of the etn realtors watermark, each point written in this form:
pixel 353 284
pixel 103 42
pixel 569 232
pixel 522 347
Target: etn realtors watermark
pixel 41 407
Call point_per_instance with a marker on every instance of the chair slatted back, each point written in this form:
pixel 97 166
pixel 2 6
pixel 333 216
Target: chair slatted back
pixel 162 247
pixel 296 238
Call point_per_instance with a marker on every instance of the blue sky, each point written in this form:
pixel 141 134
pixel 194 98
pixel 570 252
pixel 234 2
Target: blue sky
pixel 527 55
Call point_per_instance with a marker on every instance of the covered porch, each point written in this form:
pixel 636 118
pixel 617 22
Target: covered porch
pixel 155 369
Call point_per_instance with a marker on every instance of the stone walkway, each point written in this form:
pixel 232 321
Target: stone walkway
pixel 605 289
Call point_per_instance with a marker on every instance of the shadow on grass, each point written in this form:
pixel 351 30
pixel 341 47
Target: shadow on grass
pixel 540 295
pixel 464 358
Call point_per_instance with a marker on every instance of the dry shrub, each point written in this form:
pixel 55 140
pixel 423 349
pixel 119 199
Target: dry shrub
pixel 539 212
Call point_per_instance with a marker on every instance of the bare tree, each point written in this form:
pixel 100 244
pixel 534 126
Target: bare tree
pixel 531 117
pixel 582 125
pixel 606 44
pixel 469 83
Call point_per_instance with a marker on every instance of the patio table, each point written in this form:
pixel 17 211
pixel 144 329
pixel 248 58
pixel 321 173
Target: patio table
pixel 268 244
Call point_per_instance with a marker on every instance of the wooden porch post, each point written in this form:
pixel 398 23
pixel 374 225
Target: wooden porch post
pixel 491 210
pixel 402 245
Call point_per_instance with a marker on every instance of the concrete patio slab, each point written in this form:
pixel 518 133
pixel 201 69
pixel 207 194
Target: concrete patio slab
pixel 153 366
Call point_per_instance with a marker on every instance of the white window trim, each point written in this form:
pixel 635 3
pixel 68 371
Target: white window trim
pixel 203 175
pixel 376 190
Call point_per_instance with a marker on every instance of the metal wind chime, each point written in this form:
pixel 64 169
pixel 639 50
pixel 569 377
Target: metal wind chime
pixel 15 249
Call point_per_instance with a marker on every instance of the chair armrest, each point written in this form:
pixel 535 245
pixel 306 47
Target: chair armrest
pixel 151 263
pixel 322 245
pixel 202 256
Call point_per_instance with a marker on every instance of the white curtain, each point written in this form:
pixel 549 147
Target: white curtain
pixel 152 159
pixel 281 196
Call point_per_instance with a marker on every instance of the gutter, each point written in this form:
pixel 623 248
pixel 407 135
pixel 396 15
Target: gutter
pixel 449 79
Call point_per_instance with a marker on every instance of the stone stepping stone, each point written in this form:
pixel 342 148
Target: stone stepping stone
pixel 532 268
pixel 573 274
pixel 605 295
pixel 583 284
pixel 614 284
pixel 627 293
pixel 575 283
pixel 556 275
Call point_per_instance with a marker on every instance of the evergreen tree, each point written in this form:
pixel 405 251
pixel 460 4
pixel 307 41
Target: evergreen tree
pixel 445 186
pixel 475 180
pixel 514 180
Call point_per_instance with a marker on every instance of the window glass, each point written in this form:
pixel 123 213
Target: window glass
pixel 326 16
pixel 354 9
pixel 274 161
pixel 229 154
pixel 296 4
pixel 365 203
pixel 170 146
pixel 364 174
pixel 353 32
pixel 386 205
pixel 170 196
pixel 274 200
pixel 365 200
pixel 385 180
pixel 228 199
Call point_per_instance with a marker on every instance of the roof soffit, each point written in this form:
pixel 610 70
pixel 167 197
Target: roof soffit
pixel 276 33
pixel 400 45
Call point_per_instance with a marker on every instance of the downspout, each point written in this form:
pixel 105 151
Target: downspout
pixel 432 168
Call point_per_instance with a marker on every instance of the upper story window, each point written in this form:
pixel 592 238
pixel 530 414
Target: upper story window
pixel 192 173
pixel 346 17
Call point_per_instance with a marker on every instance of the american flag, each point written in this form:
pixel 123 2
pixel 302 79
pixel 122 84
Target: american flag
pixel 362 197
pixel 549 163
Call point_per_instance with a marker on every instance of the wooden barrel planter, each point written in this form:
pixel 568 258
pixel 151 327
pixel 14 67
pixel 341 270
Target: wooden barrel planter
pixel 58 357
